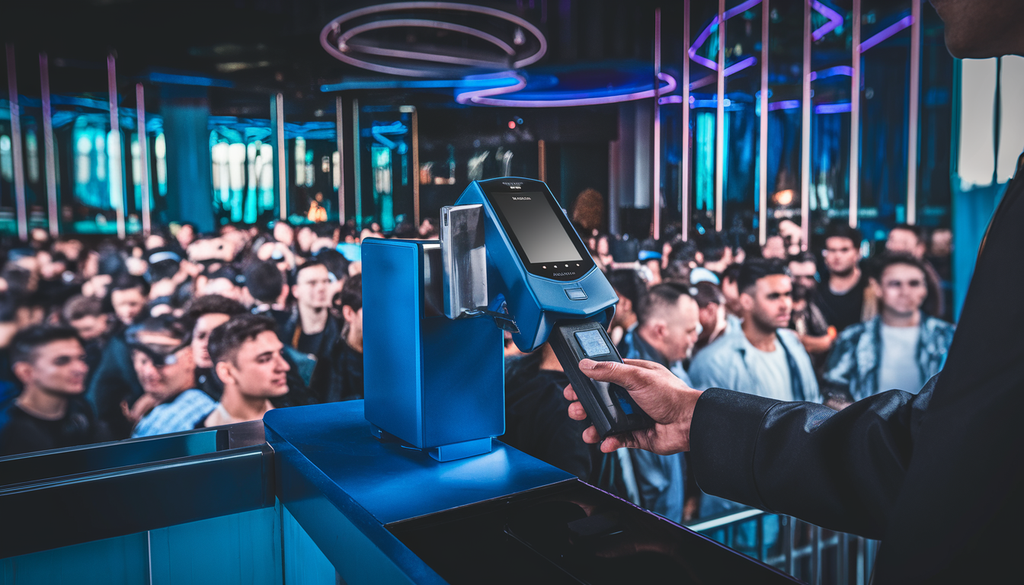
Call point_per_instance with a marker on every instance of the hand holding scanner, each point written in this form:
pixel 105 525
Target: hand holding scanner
pixel 609 406
pixel 552 290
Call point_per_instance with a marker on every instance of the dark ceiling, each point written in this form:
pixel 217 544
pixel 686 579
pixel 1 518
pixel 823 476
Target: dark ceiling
pixel 261 47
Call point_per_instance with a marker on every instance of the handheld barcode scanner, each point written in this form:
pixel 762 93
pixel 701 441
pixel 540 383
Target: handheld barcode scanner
pixel 552 290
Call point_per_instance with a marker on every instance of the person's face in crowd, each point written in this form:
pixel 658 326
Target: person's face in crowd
pixel 128 303
pixel 841 256
pixel 185 236
pixel 154 241
pixel 211 249
pixel 72 249
pixel 683 329
pixel 769 303
pixel 368 233
pixel 355 326
pixel 48 268
pixel 712 316
pixel 312 286
pixel 905 241
pixel 205 325
pixel 56 368
pixel 39 237
pixel 259 369
pixel 604 254
pixel 285 259
pixel 30 263
pixel 223 287
pixel 167 380
pixel 902 290
pixel 731 292
pixel 978 29
pixel 284 233
pixel 803 273
pixel 942 242
pixel 90 327
pixel 304 238
pixel 774 247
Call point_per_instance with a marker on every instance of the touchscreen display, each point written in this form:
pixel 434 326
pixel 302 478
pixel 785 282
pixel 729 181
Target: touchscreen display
pixel 535 225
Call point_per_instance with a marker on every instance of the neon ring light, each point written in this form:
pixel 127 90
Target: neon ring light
pixel 340 38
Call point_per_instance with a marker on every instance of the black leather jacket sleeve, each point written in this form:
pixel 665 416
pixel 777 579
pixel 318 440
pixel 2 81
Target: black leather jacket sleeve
pixel 840 470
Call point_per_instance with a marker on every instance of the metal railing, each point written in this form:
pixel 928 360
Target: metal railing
pixel 805 551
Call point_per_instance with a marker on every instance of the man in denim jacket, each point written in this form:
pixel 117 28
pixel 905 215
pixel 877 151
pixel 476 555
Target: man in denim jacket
pixel 900 348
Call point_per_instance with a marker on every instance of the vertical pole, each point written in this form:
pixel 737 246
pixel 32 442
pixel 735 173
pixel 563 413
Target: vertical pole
pixel 855 118
pixel 51 171
pixel 656 149
pixel 805 131
pixel 720 120
pixel 19 166
pixel 339 135
pixel 140 113
pixel 542 164
pixel 114 150
pixel 416 166
pixel 281 157
pixel 684 159
pixel 915 93
pixel 762 166
pixel 356 163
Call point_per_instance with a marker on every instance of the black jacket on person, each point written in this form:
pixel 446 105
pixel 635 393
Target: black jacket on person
pixel 346 378
pixel 21 432
pixel 938 477
pixel 114 381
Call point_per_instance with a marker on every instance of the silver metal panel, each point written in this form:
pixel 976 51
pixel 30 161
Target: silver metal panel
pixel 656 150
pixel 140 109
pixel 19 166
pixel 116 181
pixel 340 137
pixel 805 132
pixel 465 259
pixel 762 164
pixel 684 159
pixel 914 114
pixel 281 157
pixel 720 120
pixel 855 117
pixel 53 213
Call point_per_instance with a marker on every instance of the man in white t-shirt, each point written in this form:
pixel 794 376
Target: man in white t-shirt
pixel 767 359
pixel 900 348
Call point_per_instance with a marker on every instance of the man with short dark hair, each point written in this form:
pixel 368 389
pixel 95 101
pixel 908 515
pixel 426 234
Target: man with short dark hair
pixel 841 294
pixel 667 329
pixel 49 413
pixel 346 358
pixel 128 296
pixel 711 312
pixel 87 316
pixel 766 359
pixel 901 347
pixel 266 286
pixel 203 315
pixel 248 359
pixel 910 239
pixel 312 329
pixel 630 289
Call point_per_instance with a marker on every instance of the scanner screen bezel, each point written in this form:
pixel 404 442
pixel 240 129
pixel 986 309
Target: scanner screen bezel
pixel 565 271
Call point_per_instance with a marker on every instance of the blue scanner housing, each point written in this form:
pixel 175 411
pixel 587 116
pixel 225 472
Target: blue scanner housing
pixel 537 294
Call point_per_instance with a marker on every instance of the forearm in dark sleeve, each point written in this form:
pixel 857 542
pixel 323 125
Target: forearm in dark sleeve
pixel 841 470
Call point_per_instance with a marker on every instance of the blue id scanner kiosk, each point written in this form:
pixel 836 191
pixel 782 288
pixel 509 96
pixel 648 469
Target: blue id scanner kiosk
pixel 508 260
pixel 410 484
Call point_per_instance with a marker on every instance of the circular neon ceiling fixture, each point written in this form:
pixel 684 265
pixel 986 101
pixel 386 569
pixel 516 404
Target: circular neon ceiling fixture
pixel 448 39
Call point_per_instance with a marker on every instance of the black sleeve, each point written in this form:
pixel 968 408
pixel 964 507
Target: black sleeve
pixel 840 470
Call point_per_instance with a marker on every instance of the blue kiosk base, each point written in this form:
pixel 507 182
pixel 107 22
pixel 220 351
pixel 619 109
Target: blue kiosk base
pixel 442 453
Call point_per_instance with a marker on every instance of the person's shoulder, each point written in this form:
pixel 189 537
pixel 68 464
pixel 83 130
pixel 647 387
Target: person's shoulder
pixel 855 331
pixel 194 397
pixel 722 350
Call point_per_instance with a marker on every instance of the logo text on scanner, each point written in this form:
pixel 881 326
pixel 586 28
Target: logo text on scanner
pixel 563 274
pixel 526 198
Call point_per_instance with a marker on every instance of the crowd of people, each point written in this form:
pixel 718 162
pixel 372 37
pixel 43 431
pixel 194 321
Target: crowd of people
pixel 780 321
pixel 180 330
pixel 176 330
